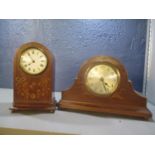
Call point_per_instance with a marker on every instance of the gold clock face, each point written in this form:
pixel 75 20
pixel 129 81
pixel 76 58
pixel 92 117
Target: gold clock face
pixel 33 61
pixel 102 79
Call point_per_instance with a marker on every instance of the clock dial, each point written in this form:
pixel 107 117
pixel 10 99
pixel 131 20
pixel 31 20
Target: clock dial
pixel 102 79
pixel 33 61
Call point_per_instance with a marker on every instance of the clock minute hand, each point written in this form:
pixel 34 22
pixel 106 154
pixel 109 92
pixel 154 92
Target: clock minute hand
pixel 102 80
pixel 31 59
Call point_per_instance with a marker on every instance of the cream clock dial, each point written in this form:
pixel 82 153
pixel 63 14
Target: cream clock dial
pixel 33 61
pixel 102 79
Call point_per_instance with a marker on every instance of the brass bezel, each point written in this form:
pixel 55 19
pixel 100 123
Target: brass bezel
pixel 102 63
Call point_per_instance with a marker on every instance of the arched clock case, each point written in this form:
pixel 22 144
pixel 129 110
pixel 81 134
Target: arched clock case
pixel 112 94
pixel 33 78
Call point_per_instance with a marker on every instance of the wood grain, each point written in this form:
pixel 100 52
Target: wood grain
pixel 124 101
pixel 34 92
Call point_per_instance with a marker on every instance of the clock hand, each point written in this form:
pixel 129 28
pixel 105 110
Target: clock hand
pixel 31 59
pixel 106 84
pixel 30 64
pixel 102 80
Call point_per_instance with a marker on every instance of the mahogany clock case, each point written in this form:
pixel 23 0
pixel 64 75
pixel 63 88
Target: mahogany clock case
pixel 34 92
pixel 124 101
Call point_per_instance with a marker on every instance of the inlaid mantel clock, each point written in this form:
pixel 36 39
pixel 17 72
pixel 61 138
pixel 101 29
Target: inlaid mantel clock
pixel 102 85
pixel 33 78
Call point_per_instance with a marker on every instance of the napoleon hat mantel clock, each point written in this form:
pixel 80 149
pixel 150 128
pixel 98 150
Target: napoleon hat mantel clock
pixel 33 78
pixel 102 86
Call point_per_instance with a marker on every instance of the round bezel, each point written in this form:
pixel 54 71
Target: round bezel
pixel 105 64
pixel 26 70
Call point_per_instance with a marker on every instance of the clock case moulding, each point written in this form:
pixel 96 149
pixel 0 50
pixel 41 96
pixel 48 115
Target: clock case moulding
pixel 34 92
pixel 124 101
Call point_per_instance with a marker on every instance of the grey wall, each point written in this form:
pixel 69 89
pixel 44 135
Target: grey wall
pixel 150 81
pixel 72 42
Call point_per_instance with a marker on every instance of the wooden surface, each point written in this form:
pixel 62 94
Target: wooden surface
pixel 13 131
pixel 69 122
pixel 26 86
pixel 124 101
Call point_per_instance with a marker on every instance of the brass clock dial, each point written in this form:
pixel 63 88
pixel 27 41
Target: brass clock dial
pixel 33 61
pixel 102 79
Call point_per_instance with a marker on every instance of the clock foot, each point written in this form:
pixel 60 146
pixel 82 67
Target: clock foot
pixel 33 109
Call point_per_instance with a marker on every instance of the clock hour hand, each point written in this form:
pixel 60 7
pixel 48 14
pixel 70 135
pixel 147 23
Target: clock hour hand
pixel 106 84
pixel 31 62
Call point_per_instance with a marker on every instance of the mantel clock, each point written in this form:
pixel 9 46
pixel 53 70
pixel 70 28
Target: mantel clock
pixel 33 78
pixel 102 85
